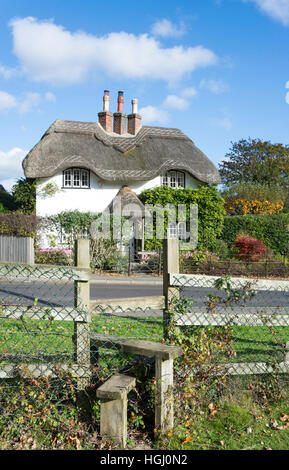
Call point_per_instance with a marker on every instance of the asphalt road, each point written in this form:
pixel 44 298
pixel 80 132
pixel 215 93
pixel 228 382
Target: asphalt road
pixel 24 293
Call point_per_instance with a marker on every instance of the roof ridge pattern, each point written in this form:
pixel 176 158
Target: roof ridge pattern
pixel 121 143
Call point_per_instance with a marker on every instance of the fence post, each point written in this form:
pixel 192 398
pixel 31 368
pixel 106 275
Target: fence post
pixel 81 336
pixel 171 265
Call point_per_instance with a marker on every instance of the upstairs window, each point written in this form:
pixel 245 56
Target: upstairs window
pixel 76 178
pixel 173 179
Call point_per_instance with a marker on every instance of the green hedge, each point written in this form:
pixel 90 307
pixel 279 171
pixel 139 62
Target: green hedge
pixel 210 209
pixel 272 229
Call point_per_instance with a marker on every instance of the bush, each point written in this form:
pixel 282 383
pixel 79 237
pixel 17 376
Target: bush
pixel 24 195
pixel 271 229
pixel 19 225
pixel 61 256
pixel 72 224
pixel 254 198
pixel 210 209
pixel 250 249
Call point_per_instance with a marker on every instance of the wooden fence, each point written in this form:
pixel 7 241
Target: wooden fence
pixel 256 316
pixel 16 249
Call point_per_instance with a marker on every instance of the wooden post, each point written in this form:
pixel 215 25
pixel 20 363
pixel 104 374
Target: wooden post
pixel 82 301
pixel 171 265
pixel 164 399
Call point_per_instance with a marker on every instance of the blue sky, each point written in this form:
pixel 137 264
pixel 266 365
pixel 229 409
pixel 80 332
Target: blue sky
pixel 217 69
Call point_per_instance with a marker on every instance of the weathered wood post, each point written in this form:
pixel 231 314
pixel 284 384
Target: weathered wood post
pixel 171 265
pixel 164 369
pixel 81 336
pixel 113 407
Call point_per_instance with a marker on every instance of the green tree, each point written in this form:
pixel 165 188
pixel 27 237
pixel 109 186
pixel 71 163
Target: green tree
pixel 256 161
pixel 24 194
pixel 7 202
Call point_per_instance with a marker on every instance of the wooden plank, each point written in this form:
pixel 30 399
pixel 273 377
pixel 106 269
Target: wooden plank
pixel 43 272
pixel 135 346
pixel 116 387
pixel 12 370
pixel 258 318
pixel 253 368
pixel 197 280
pixel 131 303
pixel 18 312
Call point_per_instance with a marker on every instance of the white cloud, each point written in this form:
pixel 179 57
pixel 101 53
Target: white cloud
pixel 152 114
pixel 166 28
pixel 48 52
pixel 189 92
pixel 24 104
pixel 214 86
pixel 30 101
pixel 11 164
pixel 7 101
pixel 175 102
pixel 50 97
pixel 7 72
pixel 277 9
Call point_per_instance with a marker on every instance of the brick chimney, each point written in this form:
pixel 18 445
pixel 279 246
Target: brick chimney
pixel 120 118
pixel 134 119
pixel 105 117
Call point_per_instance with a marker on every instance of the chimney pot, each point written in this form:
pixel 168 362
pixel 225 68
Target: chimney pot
pixel 134 119
pixel 105 117
pixel 120 118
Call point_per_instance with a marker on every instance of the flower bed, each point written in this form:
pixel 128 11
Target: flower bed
pixel 62 256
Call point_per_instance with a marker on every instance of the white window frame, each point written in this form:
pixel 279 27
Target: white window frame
pixel 178 230
pixel 74 178
pixel 173 179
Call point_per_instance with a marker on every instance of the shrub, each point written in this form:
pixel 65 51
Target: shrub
pixel 271 229
pixel 21 225
pixel 61 256
pixel 72 224
pixel 250 249
pixel 254 198
pixel 210 209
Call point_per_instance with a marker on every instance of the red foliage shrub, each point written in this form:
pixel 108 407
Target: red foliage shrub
pixel 250 249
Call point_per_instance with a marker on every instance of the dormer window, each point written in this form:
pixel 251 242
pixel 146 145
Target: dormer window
pixel 173 179
pixel 76 178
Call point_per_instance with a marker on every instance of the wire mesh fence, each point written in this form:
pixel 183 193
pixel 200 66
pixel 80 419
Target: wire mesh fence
pixel 253 313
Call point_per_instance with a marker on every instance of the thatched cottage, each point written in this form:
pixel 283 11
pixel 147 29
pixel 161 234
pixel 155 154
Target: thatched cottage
pixel 90 161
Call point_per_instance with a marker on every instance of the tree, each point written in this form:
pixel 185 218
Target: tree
pixel 24 194
pixel 7 202
pixel 255 161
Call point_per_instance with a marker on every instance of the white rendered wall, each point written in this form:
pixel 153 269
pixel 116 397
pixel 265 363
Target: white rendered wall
pixel 95 199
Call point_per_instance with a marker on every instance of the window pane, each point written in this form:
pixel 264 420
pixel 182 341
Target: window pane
pixel 76 178
pixel 182 235
pixel 173 179
pixel 172 231
pixel 181 179
pixel 67 178
pixel 84 178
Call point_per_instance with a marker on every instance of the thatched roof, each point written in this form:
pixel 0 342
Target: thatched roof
pixel 117 158
pixel 126 203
